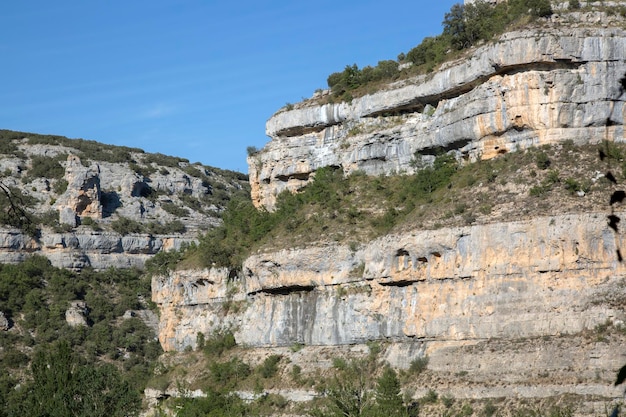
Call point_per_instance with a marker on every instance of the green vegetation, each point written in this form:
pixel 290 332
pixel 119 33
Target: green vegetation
pixel 442 192
pixel 87 149
pixel 15 208
pixel 46 167
pixel 463 27
pixel 175 210
pixel 62 386
pixel 110 356
pixel 270 366
pixel 125 226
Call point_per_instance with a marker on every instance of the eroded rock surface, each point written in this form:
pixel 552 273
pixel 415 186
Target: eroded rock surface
pixel 86 248
pixel 504 303
pixel 82 197
pixel 528 88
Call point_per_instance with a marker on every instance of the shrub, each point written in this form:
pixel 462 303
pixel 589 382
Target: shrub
pixel 175 210
pixel 89 222
pixel 173 227
pixel 430 397
pixel 125 226
pixel 46 167
pixel 418 365
pixel 219 342
pixel 60 186
pixel 229 373
pixel 163 160
pixel 270 366
pixel 252 150
pixel 542 161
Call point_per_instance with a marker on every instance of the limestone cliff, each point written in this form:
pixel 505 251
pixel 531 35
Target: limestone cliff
pixel 497 300
pixel 530 87
pixel 502 308
pixel 548 276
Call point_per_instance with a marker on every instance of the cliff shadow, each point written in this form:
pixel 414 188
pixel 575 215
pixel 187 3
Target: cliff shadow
pixel 110 201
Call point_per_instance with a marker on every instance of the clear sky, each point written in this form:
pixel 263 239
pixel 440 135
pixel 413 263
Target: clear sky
pixel 189 78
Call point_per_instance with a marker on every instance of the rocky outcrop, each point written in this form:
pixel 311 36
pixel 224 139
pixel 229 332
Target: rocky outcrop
pixel 530 87
pixel 505 302
pixel 479 299
pixel 84 248
pixel 4 322
pixel 94 205
pixel 549 276
pixel 76 315
pixel 82 197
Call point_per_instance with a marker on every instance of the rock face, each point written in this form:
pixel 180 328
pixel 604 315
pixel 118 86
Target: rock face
pixel 528 88
pixel 4 322
pixel 76 315
pixel 101 206
pixel 473 298
pixel 82 197
pixel 549 276
pixel 86 248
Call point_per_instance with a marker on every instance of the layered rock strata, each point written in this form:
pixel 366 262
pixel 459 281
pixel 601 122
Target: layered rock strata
pixel 530 87
pixel 84 248
pixel 501 310
pixel 548 276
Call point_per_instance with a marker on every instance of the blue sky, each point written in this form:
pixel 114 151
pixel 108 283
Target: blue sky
pixel 189 78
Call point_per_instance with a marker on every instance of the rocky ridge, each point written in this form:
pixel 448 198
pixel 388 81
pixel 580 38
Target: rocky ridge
pixel 471 299
pixel 101 207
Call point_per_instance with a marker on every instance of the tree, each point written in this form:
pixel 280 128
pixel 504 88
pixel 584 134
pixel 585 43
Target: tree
pixel 454 26
pixel 349 393
pixel 61 387
pixel 540 8
pixel 388 396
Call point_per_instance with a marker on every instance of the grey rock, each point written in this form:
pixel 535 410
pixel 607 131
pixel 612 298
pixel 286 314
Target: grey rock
pixel 502 280
pixel 528 88
pixel 4 322
pixel 76 315
pixel 67 216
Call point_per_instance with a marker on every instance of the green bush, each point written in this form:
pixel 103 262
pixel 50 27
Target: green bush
pixel 228 374
pixel 173 227
pixel 125 226
pixel 163 160
pixel 60 186
pixel 46 167
pixel 34 295
pixel 175 210
pixel 219 342
pixel 418 365
pixel 542 161
pixel 89 222
pixel 430 397
pixel 463 26
pixel 15 210
pixel 270 366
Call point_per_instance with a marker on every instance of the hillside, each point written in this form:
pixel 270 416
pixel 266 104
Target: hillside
pixel 442 238
pixel 84 204
pixel 79 223
pixel 446 229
